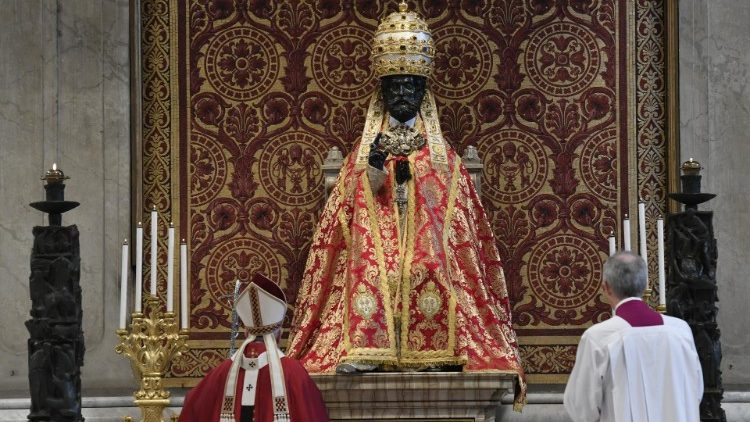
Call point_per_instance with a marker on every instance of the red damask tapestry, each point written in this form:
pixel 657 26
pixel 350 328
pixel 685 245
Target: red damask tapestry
pixel 243 99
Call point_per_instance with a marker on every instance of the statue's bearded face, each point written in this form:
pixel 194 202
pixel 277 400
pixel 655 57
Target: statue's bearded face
pixel 403 95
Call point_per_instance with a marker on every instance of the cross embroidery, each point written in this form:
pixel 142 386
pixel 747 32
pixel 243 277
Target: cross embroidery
pixel 249 387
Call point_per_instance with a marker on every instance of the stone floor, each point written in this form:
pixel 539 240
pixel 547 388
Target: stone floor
pixel 544 405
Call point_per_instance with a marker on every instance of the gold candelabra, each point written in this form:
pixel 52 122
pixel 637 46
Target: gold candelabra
pixel 151 343
pixel 647 294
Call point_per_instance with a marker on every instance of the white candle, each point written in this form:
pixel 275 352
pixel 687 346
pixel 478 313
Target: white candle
pixel 154 243
pixel 124 285
pixel 183 286
pixel 139 268
pixel 170 269
pixel 626 233
pixel 662 271
pixel 642 235
pixel 612 244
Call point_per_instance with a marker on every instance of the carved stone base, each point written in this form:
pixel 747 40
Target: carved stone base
pixel 444 396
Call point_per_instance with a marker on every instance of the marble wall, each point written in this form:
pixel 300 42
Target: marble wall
pixel 714 127
pixel 64 79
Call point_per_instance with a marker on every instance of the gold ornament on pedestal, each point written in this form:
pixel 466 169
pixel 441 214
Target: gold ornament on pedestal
pixel 151 343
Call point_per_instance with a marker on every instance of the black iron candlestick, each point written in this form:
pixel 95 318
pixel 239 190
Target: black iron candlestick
pixel 691 283
pixel 55 343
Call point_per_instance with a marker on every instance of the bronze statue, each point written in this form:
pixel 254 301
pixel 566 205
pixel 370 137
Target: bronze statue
pixel 403 272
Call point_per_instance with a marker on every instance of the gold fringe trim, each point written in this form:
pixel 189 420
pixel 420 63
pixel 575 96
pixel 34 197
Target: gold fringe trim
pixel 407 255
pixel 383 352
pixel 452 193
pixel 435 141
pixel 370 361
pixel 372 127
pixel 347 291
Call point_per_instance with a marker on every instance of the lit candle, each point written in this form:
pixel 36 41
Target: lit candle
pixel 55 192
pixel 642 235
pixel 170 268
pixel 154 243
pixel 612 244
pixel 662 271
pixel 124 285
pixel 183 286
pixel 139 268
pixel 626 233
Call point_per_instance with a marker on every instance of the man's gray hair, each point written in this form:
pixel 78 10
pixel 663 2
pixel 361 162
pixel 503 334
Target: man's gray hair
pixel 625 272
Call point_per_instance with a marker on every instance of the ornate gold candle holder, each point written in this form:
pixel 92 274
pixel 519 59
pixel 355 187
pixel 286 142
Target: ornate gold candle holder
pixel 151 343
pixel 647 294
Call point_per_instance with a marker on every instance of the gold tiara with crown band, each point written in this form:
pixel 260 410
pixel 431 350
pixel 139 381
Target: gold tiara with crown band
pixel 403 45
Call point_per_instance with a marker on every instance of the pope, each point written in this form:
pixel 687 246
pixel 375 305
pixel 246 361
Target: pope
pixel 258 383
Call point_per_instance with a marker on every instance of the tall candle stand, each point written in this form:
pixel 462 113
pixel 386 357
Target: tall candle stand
pixel 693 289
pixel 56 344
pixel 151 343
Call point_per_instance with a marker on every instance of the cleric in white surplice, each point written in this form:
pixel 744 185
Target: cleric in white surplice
pixel 639 365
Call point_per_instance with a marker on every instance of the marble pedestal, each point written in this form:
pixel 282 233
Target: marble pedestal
pixel 443 396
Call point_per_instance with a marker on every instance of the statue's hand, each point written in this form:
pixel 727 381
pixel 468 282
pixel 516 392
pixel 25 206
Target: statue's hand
pixel 377 155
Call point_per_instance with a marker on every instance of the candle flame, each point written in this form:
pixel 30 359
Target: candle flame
pixel 54 166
